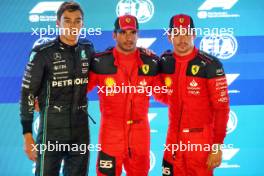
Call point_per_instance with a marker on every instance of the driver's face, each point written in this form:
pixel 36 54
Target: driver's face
pixel 70 23
pixel 126 40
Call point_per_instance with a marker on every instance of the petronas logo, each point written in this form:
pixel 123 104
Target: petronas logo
pixel 83 54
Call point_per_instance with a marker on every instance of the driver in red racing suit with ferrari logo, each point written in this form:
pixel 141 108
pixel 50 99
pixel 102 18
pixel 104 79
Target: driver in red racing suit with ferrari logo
pixel 198 104
pixel 125 131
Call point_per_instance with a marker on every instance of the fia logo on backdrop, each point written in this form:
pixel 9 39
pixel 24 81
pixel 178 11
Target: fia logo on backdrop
pixel 142 9
pixel 222 46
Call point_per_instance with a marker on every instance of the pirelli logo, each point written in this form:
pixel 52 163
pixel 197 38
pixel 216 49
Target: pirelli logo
pixel 69 82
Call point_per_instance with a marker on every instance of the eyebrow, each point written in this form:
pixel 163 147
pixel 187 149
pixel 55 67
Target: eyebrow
pixel 132 31
pixel 67 18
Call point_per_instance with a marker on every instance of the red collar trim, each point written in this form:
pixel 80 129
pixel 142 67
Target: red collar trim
pixel 186 58
pixel 116 58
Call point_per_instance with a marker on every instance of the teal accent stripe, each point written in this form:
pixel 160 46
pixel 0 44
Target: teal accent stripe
pixel 44 129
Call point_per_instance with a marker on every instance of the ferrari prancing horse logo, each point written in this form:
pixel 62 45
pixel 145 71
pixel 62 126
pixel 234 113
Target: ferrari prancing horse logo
pixel 145 68
pixel 128 20
pixel 195 69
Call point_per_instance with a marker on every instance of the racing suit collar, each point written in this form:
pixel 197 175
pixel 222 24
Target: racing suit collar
pixel 186 58
pixel 137 54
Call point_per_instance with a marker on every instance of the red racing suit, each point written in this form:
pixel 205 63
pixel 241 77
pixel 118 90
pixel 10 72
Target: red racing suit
pixel 124 128
pixel 198 110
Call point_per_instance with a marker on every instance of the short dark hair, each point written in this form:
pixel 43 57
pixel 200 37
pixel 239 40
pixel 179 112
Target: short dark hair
pixel 70 6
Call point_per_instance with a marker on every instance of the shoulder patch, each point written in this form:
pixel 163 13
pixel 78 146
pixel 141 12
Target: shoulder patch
pixel 32 55
pixel 167 62
pixel 206 57
pixel 44 46
pixel 196 67
pixel 150 65
pixel 103 63
pixel 106 52
pixel 142 52
pixel 167 53
pixel 215 69
pixel 39 49
pixel 212 59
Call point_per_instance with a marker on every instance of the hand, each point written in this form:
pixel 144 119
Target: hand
pixel 36 104
pixel 214 159
pixel 28 147
pixel 149 52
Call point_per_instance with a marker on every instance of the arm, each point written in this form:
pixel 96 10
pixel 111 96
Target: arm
pixel 217 86
pixel 92 81
pixel 218 92
pixel 30 88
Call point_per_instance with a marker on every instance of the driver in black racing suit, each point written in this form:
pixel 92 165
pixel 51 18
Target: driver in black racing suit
pixel 57 75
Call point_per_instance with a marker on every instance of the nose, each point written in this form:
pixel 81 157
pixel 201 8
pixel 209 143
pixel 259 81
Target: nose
pixel 73 24
pixel 129 37
pixel 182 38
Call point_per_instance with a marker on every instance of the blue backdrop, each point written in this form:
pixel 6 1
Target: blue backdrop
pixel 240 49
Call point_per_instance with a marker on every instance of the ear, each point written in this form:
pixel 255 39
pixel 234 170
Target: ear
pixel 114 35
pixel 137 33
pixel 169 37
pixel 194 37
pixel 57 23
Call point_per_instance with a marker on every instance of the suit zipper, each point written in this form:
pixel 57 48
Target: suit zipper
pixel 130 112
pixel 130 120
pixel 180 119
pixel 74 55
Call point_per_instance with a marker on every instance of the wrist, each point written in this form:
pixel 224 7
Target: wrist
pixel 216 147
pixel 28 136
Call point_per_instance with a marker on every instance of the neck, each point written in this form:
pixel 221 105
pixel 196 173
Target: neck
pixel 125 52
pixel 64 40
pixel 184 54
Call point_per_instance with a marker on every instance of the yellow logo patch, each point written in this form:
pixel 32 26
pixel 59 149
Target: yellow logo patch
pixel 168 81
pixel 195 69
pixel 145 68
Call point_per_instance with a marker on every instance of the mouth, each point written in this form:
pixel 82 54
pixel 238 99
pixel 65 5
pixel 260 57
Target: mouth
pixel 128 44
pixel 182 45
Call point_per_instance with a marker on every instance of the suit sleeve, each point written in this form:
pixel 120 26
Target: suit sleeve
pixel 31 84
pixel 219 99
pixel 92 81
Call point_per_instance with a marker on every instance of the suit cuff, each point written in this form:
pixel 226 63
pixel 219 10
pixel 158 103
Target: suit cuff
pixel 26 126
